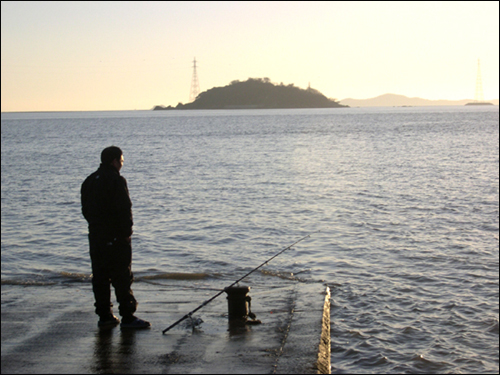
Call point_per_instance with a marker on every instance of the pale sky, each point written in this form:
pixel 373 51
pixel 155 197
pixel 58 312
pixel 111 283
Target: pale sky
pixel 71 56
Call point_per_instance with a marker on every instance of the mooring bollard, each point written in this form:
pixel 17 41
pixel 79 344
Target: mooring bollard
pixel 237 303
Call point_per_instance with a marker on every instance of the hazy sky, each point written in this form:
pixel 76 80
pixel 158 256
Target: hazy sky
pixel 116 55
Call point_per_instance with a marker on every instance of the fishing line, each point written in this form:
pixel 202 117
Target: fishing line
pixel 189 314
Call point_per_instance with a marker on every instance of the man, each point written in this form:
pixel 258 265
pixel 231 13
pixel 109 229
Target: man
pixel 107 207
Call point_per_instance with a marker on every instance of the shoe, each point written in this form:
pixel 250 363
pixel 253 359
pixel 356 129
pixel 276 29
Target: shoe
pixel 135 323
pixel 108 321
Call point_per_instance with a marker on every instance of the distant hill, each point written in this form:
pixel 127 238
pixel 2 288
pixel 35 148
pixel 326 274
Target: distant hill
pixel 258 93
pixel 393 100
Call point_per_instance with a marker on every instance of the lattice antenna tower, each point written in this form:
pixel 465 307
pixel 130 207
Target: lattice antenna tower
pixel 478 97
pixel 195 85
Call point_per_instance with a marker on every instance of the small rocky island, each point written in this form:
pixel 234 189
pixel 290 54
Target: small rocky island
pixel 257 93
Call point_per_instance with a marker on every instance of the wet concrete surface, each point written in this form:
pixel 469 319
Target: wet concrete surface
pixel 53 329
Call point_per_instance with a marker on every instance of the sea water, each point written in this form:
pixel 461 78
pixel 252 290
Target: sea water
pixel 405 199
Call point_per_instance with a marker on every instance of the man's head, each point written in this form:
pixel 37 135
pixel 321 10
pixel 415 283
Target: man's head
pixel 112 156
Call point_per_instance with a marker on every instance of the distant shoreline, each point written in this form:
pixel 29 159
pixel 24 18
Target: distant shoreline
pixel 402 101
pixel 229 109
pixel 395 100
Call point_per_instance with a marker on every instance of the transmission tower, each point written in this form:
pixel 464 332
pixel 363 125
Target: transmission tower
pixel 195 86
pixel 478 97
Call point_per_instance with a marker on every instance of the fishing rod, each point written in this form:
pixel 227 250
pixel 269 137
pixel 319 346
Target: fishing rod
pixel 189 314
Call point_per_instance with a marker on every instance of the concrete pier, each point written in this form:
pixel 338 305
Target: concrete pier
pixel 53 329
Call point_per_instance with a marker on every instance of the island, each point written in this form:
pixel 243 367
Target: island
pixel 479 103
pixel 258 93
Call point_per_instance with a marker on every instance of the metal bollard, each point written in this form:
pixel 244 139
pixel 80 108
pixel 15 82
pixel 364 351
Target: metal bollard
pixel 237 303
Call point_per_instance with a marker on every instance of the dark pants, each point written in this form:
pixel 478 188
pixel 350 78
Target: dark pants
pixel 112 265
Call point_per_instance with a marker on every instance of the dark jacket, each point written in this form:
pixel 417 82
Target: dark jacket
pixel 106 203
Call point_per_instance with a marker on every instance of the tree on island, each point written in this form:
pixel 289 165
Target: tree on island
pixel 258 93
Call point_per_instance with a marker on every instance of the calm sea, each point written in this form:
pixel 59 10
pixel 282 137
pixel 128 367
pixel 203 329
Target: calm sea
pixel 406 200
